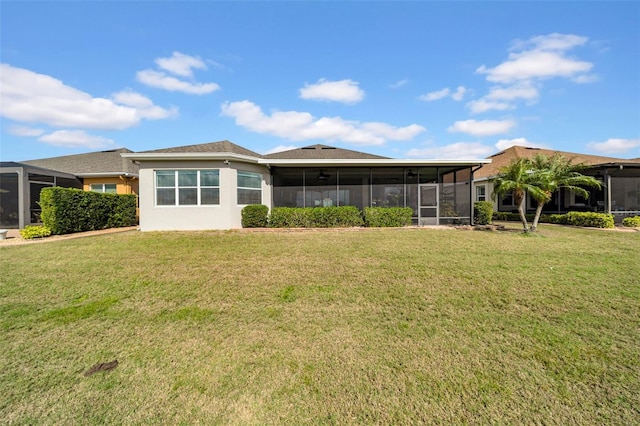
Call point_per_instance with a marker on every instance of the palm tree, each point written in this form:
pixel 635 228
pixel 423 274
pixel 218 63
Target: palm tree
pixel 517 178
pixel 555 172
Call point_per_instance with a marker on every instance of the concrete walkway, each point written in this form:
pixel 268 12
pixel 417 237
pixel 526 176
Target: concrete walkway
pixel 14 238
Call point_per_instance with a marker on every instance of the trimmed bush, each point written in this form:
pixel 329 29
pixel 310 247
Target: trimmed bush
pixel 590 219
pixel 482 212
pixel 35 231
pixel 68 210
pixel 255 216
pixel 315 217
pixel 631 222
pixel 558 219
pixel 289 217
pixel 376 217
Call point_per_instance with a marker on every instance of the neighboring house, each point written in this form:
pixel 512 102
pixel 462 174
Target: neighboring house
pixel 20 186
pixel 21 183
pixel 620 178
pixel 206 186
pixel 102 171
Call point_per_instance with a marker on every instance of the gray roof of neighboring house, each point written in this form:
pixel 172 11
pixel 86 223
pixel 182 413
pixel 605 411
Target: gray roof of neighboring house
pixel 94 163
pixel 323 152
pixel 503 158
pixel 221 146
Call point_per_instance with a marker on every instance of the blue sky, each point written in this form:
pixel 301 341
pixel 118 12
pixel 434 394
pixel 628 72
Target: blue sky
pixel 400 79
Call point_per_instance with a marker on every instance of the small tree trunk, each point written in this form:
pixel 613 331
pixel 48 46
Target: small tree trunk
pixel 523 218
pixel 537 216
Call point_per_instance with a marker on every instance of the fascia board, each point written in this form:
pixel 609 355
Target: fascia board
pixel 372 162
pixel 106 174
pixel 173 156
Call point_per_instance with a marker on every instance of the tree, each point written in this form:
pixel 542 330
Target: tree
pixel 517 178
pixel 555 172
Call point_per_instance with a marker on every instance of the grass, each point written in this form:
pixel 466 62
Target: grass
pixel 375 326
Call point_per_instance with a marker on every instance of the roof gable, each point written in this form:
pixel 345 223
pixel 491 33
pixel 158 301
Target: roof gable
pixel 323 152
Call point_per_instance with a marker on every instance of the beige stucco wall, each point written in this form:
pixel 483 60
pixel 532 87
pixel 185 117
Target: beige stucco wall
pixel 226 215
pixel 123 185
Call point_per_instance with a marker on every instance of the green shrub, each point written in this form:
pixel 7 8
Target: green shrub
pixel 67 210
pixel 315 217
pixel 376 217
pixel 631 222
pixel 590 219
pixel 255 216
pixel 482 212
pixel 558 219
pixel 35 231
pixel 335 217
pixel 289 217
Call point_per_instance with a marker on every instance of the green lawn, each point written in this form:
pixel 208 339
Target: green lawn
pixel 373 326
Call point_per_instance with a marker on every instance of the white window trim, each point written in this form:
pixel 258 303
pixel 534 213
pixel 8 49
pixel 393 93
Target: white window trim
pixel 103 189
pixel 484 195
pixel 176 188
pixel 238 187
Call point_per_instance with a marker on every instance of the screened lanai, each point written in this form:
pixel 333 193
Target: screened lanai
pixel 437 195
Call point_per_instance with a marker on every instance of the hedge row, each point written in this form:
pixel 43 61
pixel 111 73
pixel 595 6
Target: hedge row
pixel 380 217
pixel 254 216
pixel 315 217
pixel 631 222
pixel 588 219
pixel 68 210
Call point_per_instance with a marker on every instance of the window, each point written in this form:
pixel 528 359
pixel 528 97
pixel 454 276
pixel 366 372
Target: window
pixel 481 193
pixel 507 199
pixel 187 187
pixel 104 187
pixel 249 188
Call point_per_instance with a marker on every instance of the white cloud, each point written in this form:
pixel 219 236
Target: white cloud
pixel 482 105
pixel 298 126
pixel 585 78
pixel 399 84
pixel 482 127
pixel 434 96
pixel 75 139
pixel 553 41
pixel 615 145
pixel 527 66
pixel 444 93
pixel 459 93
pixel 280 148
pixel 30 97
pixel 523 90
pixel 345 91
pixel 181 64
pixel 503 144
pixel 144 106
pixel 459 150
pixel 546 58
pixel 25 131
pixel 163 81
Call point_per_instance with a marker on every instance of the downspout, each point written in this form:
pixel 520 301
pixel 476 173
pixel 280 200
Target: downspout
pixel 471 194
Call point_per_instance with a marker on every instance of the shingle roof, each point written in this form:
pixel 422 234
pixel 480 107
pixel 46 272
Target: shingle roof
pixel 221 146
pixel 323 152
pixel 101 162
pixel 503 158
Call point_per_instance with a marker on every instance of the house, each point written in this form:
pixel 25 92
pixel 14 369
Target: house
pixel 102 171
pixel 20 186
pixel 620 178
pixel 205 186
pixel 21 183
